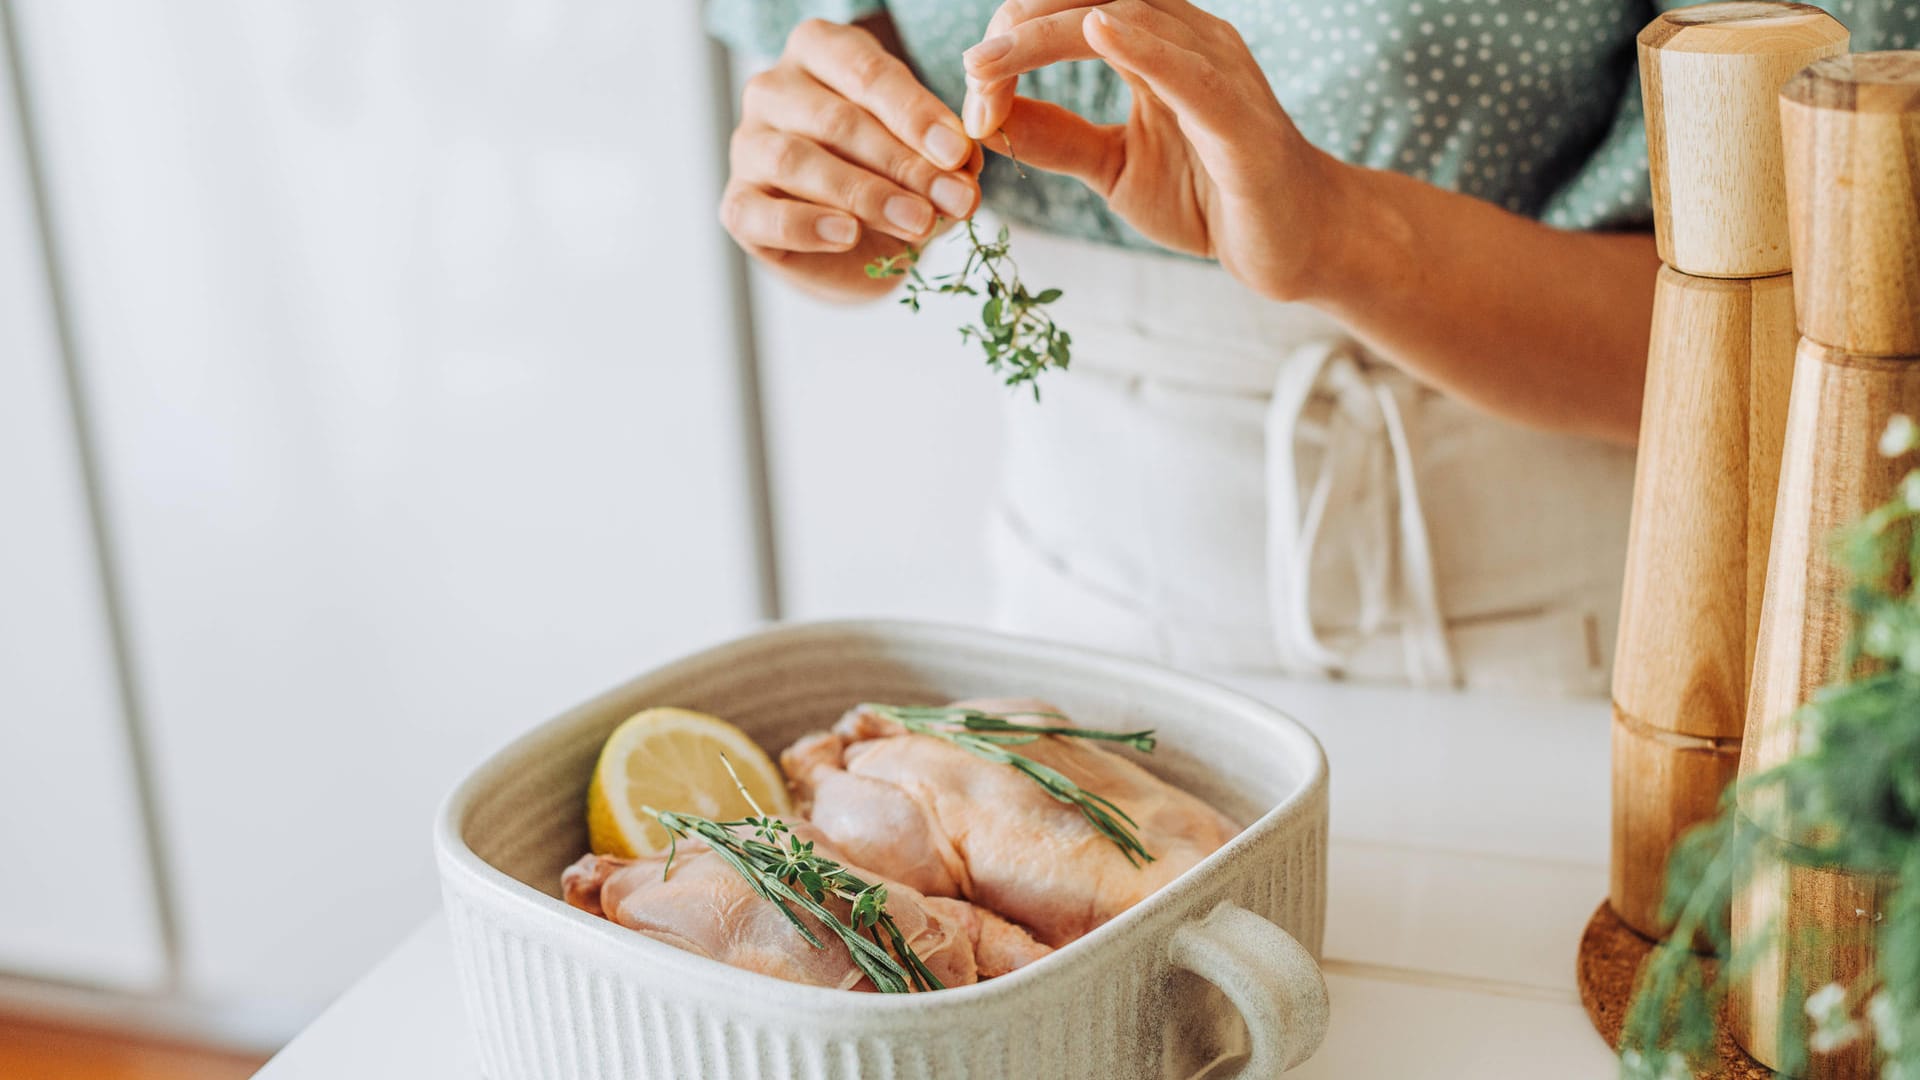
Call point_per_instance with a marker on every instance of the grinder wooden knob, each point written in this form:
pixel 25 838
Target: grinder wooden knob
pixel 1710 76
pixel 1851 127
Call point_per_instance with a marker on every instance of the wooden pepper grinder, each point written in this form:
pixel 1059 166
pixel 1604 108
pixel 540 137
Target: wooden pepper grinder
pixel 1718 369
pixel 1852 137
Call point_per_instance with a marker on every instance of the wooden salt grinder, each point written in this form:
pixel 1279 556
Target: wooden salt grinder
pixel 1852 139
pixel 1718 368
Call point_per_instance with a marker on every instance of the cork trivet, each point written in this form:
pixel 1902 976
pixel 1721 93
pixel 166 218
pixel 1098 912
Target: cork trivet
pixel 1611 956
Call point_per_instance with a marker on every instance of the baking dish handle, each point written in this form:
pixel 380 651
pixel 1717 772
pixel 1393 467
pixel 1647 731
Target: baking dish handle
pixel 1271 978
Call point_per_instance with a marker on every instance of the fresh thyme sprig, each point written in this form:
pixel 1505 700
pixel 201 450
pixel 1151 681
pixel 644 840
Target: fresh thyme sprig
pixel 991 736
pixel 1020 339
pixel 785 871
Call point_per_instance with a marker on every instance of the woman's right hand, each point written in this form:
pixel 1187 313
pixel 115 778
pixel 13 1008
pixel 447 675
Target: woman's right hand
pixel 842 157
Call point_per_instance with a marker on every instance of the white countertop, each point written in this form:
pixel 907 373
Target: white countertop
pixel 1469 848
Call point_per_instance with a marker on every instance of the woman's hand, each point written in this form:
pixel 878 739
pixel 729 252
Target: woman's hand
pixel 1208 162
pixel 1544 326
pixel 842 156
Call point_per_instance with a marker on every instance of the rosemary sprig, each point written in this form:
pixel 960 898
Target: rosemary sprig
pixel 992 735
pixel 785 871
pixel 1020 339
pixel 1001 723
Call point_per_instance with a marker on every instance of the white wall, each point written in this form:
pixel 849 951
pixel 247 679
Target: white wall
pixel 408 334
pixel 410 346
pixel 76 899
pixel 883 434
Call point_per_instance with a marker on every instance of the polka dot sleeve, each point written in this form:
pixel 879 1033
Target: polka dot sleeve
pixel 760 27
pixel 1611 189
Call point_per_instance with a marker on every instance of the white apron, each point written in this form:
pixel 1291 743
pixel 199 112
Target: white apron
pixel 1223 482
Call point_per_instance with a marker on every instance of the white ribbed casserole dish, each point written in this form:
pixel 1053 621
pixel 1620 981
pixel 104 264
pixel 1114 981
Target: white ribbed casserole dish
pixel 553 993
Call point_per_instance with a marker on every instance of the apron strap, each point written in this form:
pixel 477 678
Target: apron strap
pixel 1424 629
pixel 1365 493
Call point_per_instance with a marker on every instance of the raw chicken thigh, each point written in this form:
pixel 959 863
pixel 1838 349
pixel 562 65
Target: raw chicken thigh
pixel 928 813
pixel 705 907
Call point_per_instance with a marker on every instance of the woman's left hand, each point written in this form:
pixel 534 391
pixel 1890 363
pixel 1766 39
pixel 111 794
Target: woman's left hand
pixel 1207 163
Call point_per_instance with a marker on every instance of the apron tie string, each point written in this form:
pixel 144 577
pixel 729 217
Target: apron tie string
pixel 1366 470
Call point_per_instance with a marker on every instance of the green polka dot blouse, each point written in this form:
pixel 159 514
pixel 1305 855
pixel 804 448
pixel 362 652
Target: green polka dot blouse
pixel 1530 104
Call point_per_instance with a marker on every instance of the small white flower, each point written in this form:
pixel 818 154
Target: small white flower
pixel 1659 1065
pixel 1826 999
pixel 1832 1027
pixel 1901 436
pixel 1886 1026
pixel 1826 1040
pixel 1910 488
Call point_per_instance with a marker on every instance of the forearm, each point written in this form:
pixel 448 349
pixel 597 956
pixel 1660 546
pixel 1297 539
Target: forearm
pixel 1540 325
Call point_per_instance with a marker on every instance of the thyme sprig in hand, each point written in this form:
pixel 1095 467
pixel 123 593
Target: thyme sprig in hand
pixel 1014 331
pixel 993 735
pixel 787 872
pixel 1019 338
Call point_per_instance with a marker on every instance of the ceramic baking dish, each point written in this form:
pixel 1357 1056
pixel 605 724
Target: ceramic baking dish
pixel 1213 973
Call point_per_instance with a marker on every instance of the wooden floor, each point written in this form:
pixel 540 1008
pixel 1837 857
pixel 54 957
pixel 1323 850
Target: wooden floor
pixel 32 1050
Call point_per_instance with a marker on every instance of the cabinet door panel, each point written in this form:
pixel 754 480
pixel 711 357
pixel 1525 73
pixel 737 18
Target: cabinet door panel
pixel 76 901
pixel 410 335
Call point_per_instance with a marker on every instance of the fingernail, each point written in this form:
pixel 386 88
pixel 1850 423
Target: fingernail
pixel 946 146
pixel 953 198
pixel 837 230
pixel 911 215
pixel 1106 21
pixel 989 50
pixel 976 118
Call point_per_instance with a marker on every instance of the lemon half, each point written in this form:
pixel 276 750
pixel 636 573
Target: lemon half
pixel 669 759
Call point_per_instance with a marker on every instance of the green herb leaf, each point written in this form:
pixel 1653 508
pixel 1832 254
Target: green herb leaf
pixel 773 872
pixel 1014 330
pixel 806 881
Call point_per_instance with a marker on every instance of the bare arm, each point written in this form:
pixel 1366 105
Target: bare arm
pixel 1540 325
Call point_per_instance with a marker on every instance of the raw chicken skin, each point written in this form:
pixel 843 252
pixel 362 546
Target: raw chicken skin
pixel 926 812
pixel 705 907
pixel 998 945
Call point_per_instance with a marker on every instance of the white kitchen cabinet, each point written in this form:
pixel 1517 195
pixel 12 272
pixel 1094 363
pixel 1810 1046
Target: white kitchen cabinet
pixel 409 337
pixel 76 899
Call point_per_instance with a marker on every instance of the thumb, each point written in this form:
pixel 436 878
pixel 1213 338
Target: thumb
pixel 1045 136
